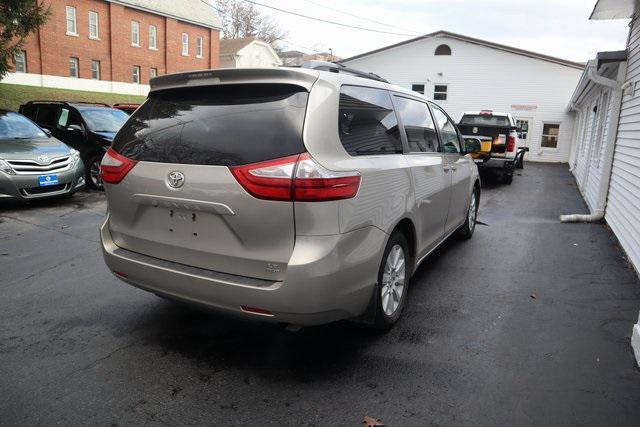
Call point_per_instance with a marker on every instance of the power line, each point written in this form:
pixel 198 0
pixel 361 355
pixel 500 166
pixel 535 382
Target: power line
pixel 361 17
pixel 300 15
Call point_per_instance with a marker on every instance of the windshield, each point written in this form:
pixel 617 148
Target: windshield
pixel 484 120
pixel 16 126
pixel 104 119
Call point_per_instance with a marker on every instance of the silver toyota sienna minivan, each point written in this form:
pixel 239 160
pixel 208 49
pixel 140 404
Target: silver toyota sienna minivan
pixel 293 195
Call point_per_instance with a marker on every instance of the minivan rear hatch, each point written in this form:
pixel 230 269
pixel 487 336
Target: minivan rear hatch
pixel 182 203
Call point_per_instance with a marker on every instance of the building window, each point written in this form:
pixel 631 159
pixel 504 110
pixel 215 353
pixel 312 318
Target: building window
pixel 72 27
pixel 93 25
pixel 135 33
pixel 95 70
pixel 418 88
pixel 74 68
pixel 199 47
pixel 21 61
pixel 550 133
pixel 185 44
pixel 153 37
pixel 443 49
pixel 153 72
pixel 136 74
pixel 440 92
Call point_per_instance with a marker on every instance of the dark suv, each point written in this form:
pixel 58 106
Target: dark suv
pixel 89 128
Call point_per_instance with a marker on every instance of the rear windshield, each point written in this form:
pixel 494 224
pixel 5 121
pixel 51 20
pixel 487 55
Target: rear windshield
pixel 484 120
pixel 217 125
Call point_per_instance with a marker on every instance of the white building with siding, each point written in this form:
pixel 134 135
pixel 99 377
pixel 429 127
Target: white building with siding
pixel 465 74
pixel 606 154
pixel 247 52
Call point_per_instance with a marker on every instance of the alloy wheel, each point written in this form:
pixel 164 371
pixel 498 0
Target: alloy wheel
pixel 393 280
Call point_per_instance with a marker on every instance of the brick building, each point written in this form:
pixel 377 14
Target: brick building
pixel 118 45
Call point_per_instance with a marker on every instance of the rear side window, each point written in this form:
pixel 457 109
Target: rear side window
pixel 418 125
pixel 484 120
pixel 30 111
pixel 448 132
pixel 48 115
pixel 367 122
pixel 225 125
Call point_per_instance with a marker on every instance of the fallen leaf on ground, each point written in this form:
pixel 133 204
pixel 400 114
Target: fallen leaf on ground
pixel 533 296
pixel 372 422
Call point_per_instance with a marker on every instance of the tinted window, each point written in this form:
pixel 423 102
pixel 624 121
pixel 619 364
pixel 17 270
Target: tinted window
pixel 418 125
pixel 448 132
pixel 29 110
pixel 101 119
pixel 48 115
pixel 367 122
pixel 217 125
pixel 484 120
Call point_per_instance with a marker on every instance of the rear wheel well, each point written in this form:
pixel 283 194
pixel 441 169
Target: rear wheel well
pixel 407 229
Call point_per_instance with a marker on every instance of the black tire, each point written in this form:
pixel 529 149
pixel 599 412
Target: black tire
pixel 507 177
pixel 469 226
pixel 383 320
pixel 92 181
pixel 520 161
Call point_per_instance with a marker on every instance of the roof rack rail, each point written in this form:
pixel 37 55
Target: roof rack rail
pixel 33 101
pixel 336 67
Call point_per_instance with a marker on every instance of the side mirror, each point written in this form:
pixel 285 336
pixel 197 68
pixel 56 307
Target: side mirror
pixel 74 128
pixel 525 149
pixel 472 145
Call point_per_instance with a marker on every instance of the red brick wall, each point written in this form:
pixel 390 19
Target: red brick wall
pixel 117 56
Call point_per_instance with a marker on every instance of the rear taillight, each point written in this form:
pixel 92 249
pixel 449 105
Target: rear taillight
pixel 115 167
pixel 296 178
pixel 511 143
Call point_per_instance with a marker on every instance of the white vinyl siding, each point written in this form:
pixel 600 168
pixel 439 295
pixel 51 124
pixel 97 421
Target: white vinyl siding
pixel 94 32
pixel 479 77
pixel 153 37
pixel 623 208
pixel 135 33
pixel 72 23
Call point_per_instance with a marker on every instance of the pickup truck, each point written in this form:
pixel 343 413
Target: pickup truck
pixel 497 134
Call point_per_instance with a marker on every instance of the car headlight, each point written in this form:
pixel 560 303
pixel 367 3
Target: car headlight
pixel 75 157
pixel 6 168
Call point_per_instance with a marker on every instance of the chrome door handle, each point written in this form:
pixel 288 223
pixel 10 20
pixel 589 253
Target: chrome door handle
pixel 447 168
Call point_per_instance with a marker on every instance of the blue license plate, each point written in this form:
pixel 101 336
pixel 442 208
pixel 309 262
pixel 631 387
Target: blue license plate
pixel 45 180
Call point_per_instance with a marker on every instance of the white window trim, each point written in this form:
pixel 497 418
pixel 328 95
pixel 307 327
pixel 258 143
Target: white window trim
pixel 557 147
pixel 446 92
pixel 135 24
pixel 23 54
pixel 419 83
pixel 199 47
pixel 76 61
pixel 97 36
pixel 155 37
pixel 73 33
pixel 99 71
pixel 151 74
pixel 136 67
pixel 182 48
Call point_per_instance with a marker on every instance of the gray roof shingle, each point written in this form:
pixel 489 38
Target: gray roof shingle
pixel 193 11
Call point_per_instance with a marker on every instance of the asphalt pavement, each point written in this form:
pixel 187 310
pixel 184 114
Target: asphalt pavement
pixel 528 323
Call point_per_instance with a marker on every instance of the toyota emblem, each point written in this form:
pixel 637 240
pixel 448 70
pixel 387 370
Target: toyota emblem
pixel 175 179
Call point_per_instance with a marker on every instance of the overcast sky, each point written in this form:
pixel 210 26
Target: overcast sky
pixel 555 27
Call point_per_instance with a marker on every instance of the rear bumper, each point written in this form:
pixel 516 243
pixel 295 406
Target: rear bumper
pixel 328 278
pixel 497 163
pixel 26 187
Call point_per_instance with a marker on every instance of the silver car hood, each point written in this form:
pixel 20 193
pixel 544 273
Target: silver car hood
pixel 27 149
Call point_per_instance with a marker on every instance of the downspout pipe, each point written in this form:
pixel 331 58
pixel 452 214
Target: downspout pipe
pixel 618 87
